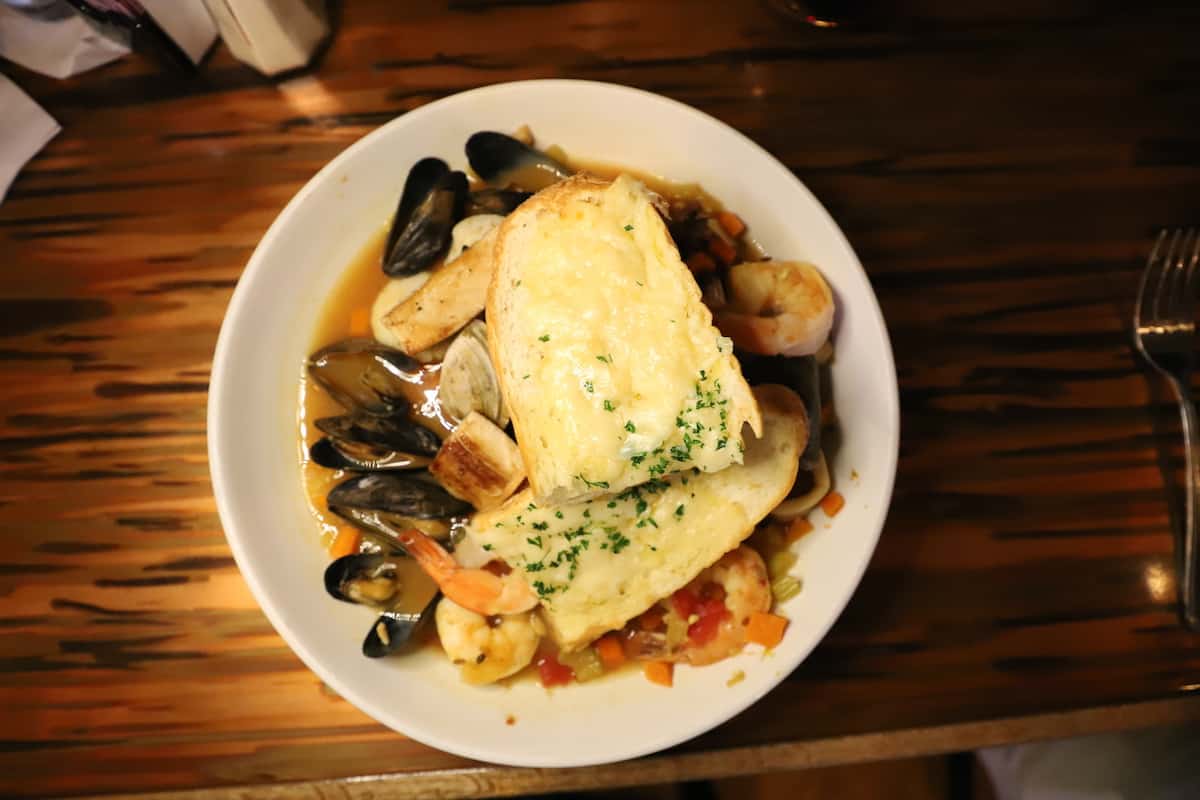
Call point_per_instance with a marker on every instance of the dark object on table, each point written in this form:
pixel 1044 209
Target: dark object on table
pixel 146 35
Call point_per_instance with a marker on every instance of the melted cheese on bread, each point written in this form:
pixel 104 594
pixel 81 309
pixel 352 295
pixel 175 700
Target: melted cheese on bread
pixel 598 563
pixel 608 359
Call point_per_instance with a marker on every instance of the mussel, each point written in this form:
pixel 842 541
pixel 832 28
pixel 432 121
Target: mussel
pixel 394 629
pixel 431 202
pixel 395 434
pixel 372 579
pixel 365 376
pixel 495 201
pixel 413 495
pixel 369 579
pixel 468 379
pixel 801 375
pixel 334 454
pixel 506 163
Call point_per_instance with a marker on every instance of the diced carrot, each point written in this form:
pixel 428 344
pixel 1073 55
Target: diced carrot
pixel 660 672
pixel 766 629
pixel 797 528
pixel 732 223
pixel 701 262
pixel 723 250
pixel 612 655
pixel 832 503
pixel 345 543
pixel 360 322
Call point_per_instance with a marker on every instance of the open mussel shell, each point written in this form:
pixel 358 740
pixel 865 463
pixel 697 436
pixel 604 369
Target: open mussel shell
pixel 369 579
pixel 495 201
pixel 395 629
pixel 384 527
pixel 395 434
pixel 363 375
pixel 332 454
pixel 432 201
pixel 801 375
pixel 506 163
pixel 401 494
pixel 468 379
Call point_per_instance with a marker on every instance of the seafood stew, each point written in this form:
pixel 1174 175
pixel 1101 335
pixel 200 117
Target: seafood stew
pixel 410 444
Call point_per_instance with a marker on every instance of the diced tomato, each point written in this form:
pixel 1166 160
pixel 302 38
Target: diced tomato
pixel 553 673
pixel 685 603
pixel 712 613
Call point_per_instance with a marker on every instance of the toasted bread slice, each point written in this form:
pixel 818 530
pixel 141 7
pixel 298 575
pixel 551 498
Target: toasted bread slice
pixel 597 564
pixel 607 357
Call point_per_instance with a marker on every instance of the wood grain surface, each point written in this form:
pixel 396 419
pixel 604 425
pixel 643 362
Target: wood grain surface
pixel 1000 169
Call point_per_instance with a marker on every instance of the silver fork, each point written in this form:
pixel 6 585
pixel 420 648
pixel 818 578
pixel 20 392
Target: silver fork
pixel 1164 330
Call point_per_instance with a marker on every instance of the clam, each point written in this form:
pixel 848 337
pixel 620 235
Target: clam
pixel 801 375
pixel 407 495
pixel 495 201
pixel 468 379
pixel 365 376
pixel 432 201
pixel 336 454
pixel 469 231
pixel 506 163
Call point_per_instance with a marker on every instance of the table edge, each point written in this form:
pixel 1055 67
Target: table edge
pixel 497 781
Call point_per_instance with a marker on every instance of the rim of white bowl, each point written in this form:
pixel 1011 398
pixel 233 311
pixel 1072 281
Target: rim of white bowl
pixel 225 343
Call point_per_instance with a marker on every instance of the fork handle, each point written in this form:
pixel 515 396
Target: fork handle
pixel 1189 548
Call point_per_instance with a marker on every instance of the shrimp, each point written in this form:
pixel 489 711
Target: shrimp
pixel 777 308
pixel 708 632
pixel 479 590
pixel 487 648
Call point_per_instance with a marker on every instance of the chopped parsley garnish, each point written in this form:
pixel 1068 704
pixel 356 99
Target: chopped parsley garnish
pixel 608 406
pixel 525 377
pixel 588 386
pixel 628 227
pixel 660 468
pixel 541 526
pixel 545 337
pixel 629 426
pixel 531 507
pixel 543 590
pixel 612 503
pixel 536 541
pixel 487 547
pixel 679 510
pixel 592 484
pixel 724 440
pixel 637 458
pixel 618 541
pixel 644 521
pixel 558 514
pixel 607 359
pixel 587 514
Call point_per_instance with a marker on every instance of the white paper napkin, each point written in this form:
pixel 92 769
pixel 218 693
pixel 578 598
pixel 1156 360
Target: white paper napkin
pixel 59 47
pixel 24 130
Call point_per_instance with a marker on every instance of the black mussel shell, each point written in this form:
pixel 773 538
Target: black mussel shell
pixel 495 201
pixel 365 376
pixel 504 162
pixel 356 457
pixel 801 375
pixel 396 434
pixel 421 180
pixel 368 579
pixel 395 629
pixel 404 494
pixel 420 233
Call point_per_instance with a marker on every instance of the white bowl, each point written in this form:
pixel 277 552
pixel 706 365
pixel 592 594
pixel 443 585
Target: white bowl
pixel 253 444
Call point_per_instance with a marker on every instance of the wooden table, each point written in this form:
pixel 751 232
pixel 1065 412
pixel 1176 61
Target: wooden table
pixel 1000 173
